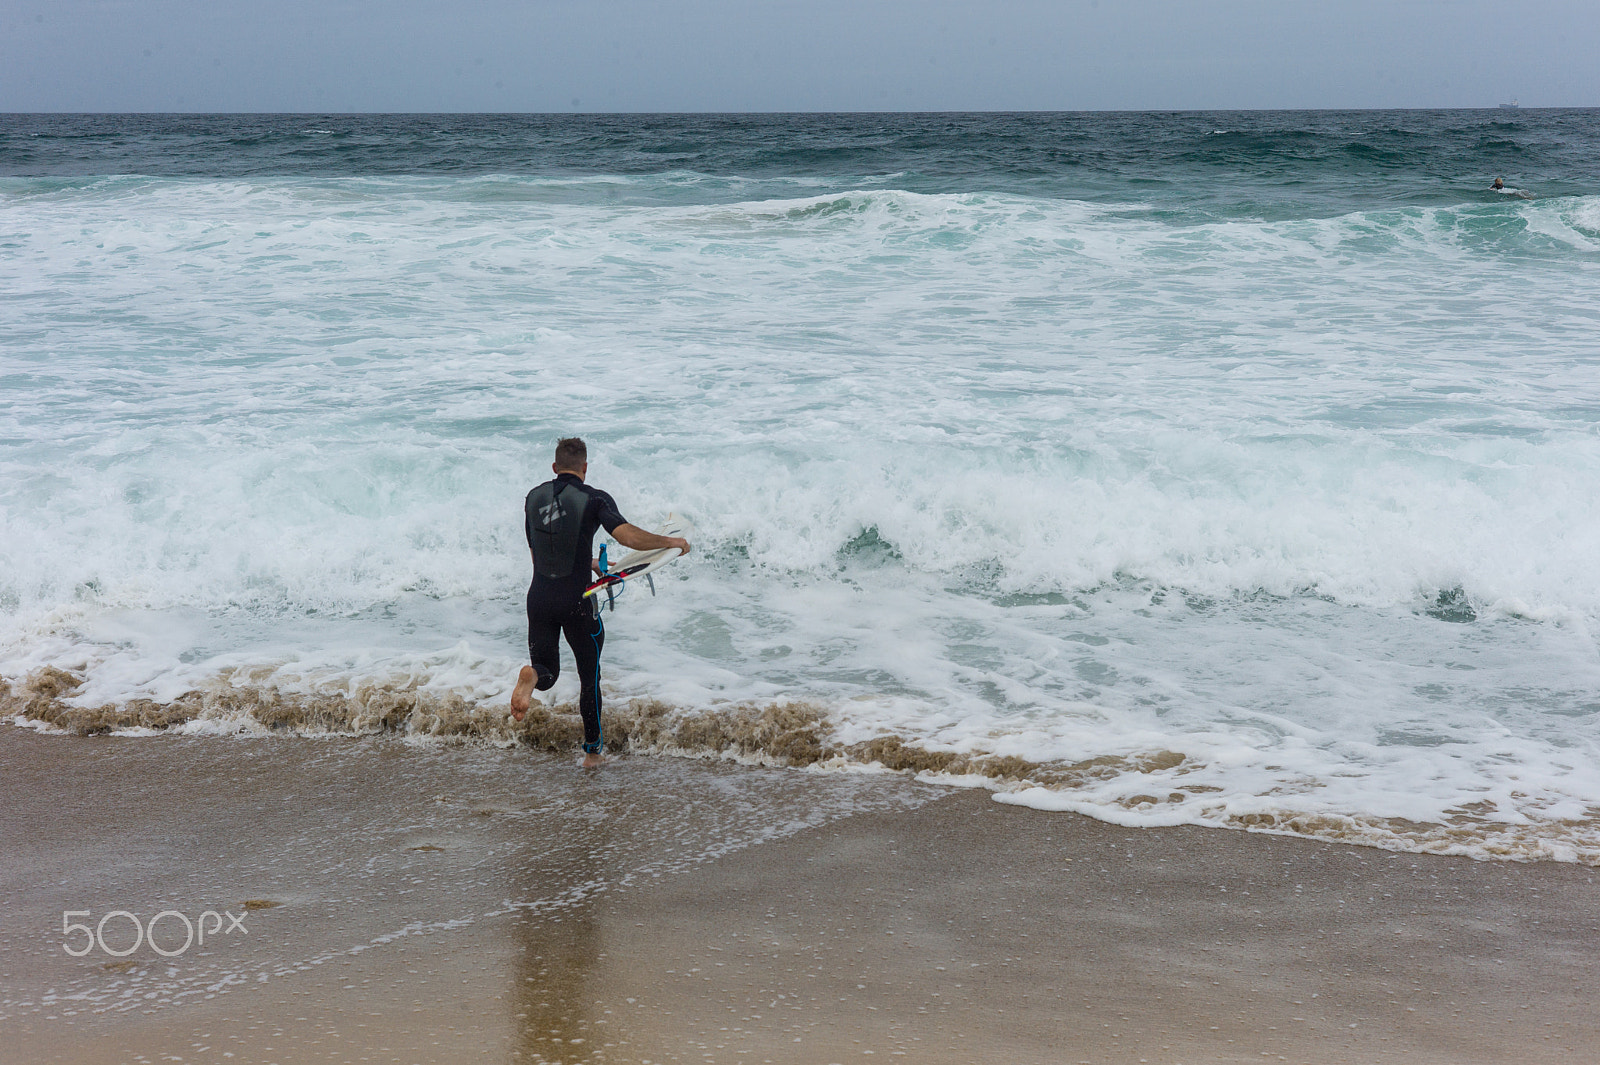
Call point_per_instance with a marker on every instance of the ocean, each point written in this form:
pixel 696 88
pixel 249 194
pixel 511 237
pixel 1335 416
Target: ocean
pixel 1232 469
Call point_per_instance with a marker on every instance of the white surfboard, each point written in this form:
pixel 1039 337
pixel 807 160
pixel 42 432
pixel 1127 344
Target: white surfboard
pixel 636 564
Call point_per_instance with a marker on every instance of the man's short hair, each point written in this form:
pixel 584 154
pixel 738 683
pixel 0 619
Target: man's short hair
pixel 571 454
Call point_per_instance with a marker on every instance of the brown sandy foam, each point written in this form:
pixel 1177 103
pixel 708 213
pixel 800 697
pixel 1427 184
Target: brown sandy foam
pixel 673 911
pixel 779 734
pixel 782 733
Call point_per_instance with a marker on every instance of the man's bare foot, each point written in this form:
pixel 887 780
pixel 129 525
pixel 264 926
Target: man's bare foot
pixel 522 695
pixel 593 760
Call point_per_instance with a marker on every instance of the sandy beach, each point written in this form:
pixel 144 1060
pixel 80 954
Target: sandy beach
pixel 411 903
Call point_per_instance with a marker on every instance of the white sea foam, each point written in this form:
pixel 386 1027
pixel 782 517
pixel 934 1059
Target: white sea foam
pixel 1310 502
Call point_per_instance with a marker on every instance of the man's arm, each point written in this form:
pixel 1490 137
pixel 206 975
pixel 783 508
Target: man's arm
pixel 636 538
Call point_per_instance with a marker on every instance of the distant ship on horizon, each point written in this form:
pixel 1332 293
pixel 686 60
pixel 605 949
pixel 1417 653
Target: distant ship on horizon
pixel 1512 106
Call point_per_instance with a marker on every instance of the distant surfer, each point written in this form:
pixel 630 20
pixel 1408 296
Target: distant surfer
pixel 560 518
pixel 1498 186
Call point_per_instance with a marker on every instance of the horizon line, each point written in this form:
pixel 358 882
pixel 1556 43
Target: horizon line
pixel 775 113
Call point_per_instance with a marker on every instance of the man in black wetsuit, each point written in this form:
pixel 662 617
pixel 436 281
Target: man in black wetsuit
pixel 560 518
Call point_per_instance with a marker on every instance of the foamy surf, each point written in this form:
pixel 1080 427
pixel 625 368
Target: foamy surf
pixel 1243 496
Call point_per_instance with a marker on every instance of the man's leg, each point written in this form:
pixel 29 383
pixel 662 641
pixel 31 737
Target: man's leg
pixel 587 636
pixel 544 652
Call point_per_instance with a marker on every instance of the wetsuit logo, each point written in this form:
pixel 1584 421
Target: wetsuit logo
pixel 551 512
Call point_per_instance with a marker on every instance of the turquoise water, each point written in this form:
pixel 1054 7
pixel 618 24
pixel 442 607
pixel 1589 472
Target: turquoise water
pixel 1267 439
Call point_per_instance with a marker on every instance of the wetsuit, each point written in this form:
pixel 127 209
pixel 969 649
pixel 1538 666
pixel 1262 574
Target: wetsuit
pixel 560 518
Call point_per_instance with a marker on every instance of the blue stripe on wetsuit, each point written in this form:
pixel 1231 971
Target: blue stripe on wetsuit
pixel 600 744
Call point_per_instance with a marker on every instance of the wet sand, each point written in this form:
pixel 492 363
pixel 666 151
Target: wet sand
pixel 470 904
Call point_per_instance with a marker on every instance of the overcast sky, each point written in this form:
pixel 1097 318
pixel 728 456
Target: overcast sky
pixel 778 55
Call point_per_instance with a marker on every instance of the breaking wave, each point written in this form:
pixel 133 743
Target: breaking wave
pixel 1243 479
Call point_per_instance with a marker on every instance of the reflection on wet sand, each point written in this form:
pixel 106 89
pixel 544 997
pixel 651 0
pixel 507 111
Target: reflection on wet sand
pixel 554 1016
